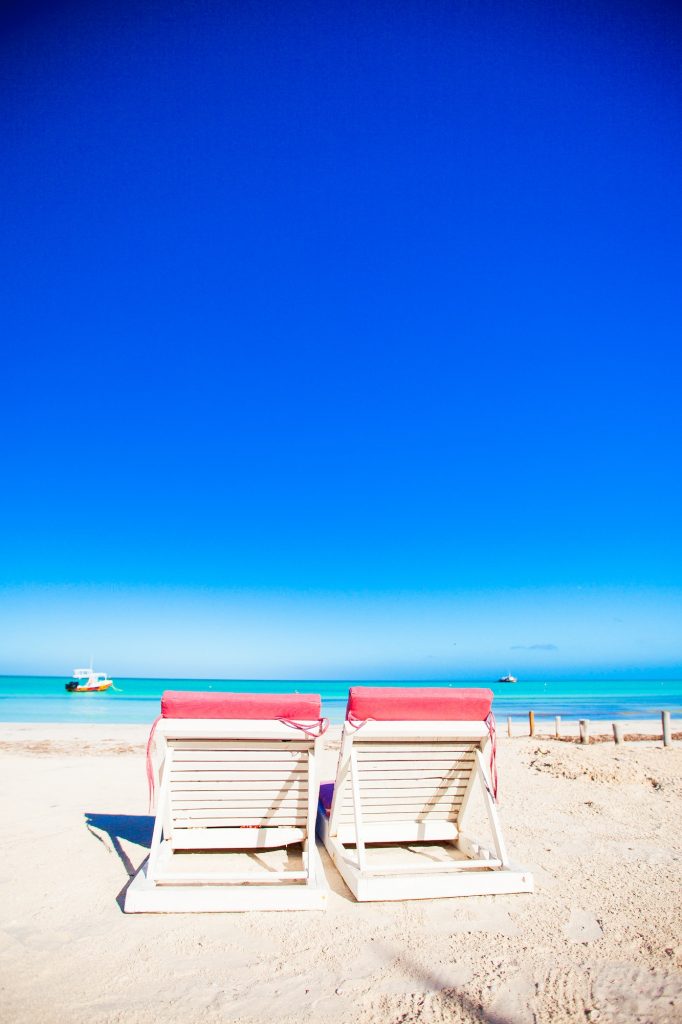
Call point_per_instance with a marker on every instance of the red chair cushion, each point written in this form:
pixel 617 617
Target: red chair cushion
pixel 419 704
pixel 299 707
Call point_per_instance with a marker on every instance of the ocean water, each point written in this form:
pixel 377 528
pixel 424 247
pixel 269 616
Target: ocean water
pixel 44 699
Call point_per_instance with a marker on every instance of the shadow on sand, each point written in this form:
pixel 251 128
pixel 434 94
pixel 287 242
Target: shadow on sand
pixel 138 829
pixel 454 999
pixel 133 828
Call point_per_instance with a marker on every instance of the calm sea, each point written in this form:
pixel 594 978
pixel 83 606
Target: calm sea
pixel 44 699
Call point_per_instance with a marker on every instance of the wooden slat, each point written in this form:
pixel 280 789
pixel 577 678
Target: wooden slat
pixel 237 767
pixel 237 809
pixel 299 784
pixel 216 878
pixel 415 756
pixel 252 814
pixel 240 756
pixel 453 758
pixel 435 754
pixel 265 800
pixel 274 774
pixel 383 785
pixel 243 745
pixel 419 732
pixel 401 831
pixel 181 729
pixel 388 776
pixel 378 796
pixel 416 747
pixel 446 801
pixel 403 814
pixel 235 838
pixel 408 800
pixel 283 764
pixel 443 763
pixel 247 811
pixel 255 819
pixel 437 867
pixel 228 786
pixel 255 816
pixel 239 821
pixel 399 814
pixel 422 767
pixel 416 793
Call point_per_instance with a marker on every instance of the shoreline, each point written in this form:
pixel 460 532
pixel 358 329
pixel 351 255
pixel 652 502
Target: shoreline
pixel 117 732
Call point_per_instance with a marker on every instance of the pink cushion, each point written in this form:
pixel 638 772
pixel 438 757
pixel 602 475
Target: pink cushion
pixel 419 704
pixel 299 707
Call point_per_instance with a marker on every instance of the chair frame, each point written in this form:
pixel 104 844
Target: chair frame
pixel 444 762
pixel 264 773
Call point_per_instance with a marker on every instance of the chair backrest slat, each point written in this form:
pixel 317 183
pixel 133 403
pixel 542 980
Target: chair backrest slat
pixel 219 784
pixel 409 779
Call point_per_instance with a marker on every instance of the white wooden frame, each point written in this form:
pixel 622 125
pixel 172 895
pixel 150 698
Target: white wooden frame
pixel 232 784
pixel 411 783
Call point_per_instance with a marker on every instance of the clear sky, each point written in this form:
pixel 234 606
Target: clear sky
pixel 341 339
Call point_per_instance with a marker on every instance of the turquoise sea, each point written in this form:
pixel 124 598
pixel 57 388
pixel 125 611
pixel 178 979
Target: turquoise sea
pixel 44 699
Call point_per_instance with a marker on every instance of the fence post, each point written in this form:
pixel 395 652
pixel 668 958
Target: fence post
pixel 665 722
pixel 557 723
pixel 509 726
pixel 617 732
pixel 531 722
pixel 584 727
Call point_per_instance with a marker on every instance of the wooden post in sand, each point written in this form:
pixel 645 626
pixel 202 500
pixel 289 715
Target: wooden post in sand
pixel 557 723
pixel 531 722
pixel 617 732
pixel 584 727
pixel 665 722
pixel 509 726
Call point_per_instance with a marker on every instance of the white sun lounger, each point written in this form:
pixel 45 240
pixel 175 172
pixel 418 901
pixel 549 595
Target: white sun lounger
pixel 231 789
pixel 395 826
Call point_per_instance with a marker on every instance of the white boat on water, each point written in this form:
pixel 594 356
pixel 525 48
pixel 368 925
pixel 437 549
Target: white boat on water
pixel 507 679
pixel 84 680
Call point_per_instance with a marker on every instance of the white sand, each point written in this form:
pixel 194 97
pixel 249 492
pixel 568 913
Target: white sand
pixel 599 939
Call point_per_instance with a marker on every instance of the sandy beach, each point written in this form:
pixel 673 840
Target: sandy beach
pixel 600 939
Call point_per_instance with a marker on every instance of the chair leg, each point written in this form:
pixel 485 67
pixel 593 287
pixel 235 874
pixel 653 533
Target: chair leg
pixel 491 809
pixel 161 817
pixel 357 810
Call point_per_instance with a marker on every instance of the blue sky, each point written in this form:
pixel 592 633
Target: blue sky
pixel 341 341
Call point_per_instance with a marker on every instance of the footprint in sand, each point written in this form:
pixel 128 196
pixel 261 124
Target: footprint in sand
pixel 609 993
pixel 623 993
pixel 582 927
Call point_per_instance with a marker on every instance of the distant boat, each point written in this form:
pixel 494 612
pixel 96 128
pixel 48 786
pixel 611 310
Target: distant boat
pixel 507 679
pixel 84 680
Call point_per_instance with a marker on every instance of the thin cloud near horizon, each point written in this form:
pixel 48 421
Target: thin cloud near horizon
pixel 534 647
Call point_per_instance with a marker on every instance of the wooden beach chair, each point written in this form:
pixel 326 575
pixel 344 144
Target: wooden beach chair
pixel 394 821
pixel 237 782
